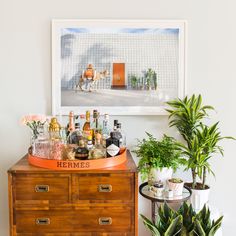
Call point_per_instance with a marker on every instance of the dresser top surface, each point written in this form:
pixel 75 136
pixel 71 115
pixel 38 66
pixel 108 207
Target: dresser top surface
pixel 22 166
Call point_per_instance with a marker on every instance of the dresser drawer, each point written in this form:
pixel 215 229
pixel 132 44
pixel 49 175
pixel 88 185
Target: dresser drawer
pixel 103 187
pixel 88 220
pixel 40 187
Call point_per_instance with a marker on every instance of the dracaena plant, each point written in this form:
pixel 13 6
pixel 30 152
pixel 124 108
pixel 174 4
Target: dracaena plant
pixel 184 222
pixel 202 141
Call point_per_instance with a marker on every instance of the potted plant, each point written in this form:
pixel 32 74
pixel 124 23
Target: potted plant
pixel 184 222
pixel 201 142
pixel 176 185
pixel 158 159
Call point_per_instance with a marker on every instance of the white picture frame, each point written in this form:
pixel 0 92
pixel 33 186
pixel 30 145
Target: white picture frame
pixel 58 106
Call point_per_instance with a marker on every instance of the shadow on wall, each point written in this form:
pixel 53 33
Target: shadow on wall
pixel 94 54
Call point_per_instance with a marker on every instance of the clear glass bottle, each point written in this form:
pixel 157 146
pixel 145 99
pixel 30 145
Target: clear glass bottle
pixel 81 151
pixel 122 137
pixel 98 151
pixel 105 129
pixel 112 145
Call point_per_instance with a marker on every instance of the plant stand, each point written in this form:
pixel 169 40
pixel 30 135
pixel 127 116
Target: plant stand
pixel 156 201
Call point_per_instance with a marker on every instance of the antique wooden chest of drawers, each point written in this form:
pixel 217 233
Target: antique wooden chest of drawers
pixel 44 202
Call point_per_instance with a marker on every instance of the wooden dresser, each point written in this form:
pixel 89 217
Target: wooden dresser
pixel 44 202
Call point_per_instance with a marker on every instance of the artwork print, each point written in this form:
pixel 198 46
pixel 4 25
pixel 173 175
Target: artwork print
pixel 120 68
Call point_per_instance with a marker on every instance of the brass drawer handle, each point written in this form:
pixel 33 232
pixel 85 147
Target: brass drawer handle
pixel 41 188
pixel 42 221
pixel 105 221
pixel 104 188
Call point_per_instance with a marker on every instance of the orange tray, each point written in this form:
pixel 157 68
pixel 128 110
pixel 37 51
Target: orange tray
pixel 77 165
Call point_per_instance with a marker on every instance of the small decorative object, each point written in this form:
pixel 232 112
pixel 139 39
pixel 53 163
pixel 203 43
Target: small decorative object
pixel 169 193
pixel 54 129
pixel 157 189
pixel 35 122
pixel 176 185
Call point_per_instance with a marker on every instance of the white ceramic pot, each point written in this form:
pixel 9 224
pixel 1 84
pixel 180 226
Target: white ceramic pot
pixel 177 188
pixel 161 175
pixel 199 197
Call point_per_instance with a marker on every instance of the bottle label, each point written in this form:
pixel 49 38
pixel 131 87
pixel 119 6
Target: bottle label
pixel 113 150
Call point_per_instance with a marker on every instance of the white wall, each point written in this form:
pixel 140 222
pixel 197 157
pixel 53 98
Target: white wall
pixel 25 80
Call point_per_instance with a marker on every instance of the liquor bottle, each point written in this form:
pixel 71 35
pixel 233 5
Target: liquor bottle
pixel 122 137
pixel 98 151
pixel 71 124
pixel 81 152
pixel 105 129
pixel 90 142
pixel 94 125
pixel 86 127
pixel 112 145
pixel 76 135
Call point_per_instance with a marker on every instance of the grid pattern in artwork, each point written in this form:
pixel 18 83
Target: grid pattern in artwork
pixel 138 51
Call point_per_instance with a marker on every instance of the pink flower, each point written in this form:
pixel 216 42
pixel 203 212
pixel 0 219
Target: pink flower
pixel 34 122
pixel 30 118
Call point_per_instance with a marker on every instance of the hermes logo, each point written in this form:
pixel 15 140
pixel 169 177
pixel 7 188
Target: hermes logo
pixel 71 164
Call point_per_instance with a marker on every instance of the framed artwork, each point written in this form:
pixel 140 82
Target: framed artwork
pixel 120 67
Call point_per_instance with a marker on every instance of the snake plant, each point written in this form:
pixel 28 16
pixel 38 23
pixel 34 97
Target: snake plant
pixel 184 222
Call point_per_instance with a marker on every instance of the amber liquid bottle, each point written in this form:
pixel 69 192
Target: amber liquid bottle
pixel 87 127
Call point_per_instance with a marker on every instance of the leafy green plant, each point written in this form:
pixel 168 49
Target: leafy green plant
pixel 184 222
pixel 157 154
pixel 187 115
pixel 202 141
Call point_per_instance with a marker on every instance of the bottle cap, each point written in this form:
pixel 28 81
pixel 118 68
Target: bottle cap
pixel 87 113
pixel 95 114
